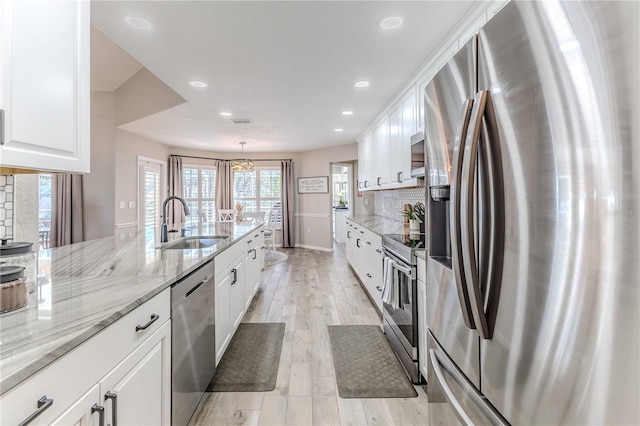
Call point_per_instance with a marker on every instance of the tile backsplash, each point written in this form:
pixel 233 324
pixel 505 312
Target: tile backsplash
pixel 6 206
pixel 391 203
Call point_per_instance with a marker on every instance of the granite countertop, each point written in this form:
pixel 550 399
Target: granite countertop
pixel 380 224
pixel 84 287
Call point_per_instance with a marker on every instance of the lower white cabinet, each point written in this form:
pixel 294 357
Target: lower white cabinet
pixel 238 272
pixel 129 360
pixel 133 392
pixel 86 411
pixel 364 254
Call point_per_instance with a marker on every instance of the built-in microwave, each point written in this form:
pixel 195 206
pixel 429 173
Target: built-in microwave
pixel 417 154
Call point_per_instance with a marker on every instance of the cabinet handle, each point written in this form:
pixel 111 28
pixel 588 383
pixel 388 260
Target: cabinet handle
pixel 234 271
pixel 114 407
pixel 249 242
pixel 378 181
pixel 1 127
pixel 262 270
pixel 154 318
pixel 369 275
pixel 365 183
pixel 369 242
pixel 399 176
pixel 100 410
pixel 362 232
pixel 379 251
pixel 358 242
pixel 255 254
pixel 377 288
pixel 43 404
pixel 348 234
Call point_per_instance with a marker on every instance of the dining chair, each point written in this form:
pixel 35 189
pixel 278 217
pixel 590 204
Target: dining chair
pixel 254 217
pixel 269 232
pixel 226 215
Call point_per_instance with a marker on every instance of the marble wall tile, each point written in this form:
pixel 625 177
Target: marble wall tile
pixel 391 203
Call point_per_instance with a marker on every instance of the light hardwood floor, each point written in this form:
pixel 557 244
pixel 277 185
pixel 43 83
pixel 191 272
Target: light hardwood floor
pixel 311 290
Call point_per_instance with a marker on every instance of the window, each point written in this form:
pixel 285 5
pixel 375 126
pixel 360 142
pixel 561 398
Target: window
pixel 44 210
pixel 258 190
pixel 150 202
pixel 199 192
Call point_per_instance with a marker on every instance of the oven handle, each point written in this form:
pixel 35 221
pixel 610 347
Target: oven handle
pixel 400 264
pixel 406 271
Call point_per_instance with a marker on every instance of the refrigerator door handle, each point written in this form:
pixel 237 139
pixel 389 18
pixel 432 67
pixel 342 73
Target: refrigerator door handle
pixel 483 117
pixel 468 213
pixel 455 223
pixel 441 366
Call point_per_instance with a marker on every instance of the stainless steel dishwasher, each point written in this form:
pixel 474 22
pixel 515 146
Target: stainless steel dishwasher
pixel 192 342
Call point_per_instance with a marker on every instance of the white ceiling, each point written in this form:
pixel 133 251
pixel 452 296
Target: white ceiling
pixel 289 66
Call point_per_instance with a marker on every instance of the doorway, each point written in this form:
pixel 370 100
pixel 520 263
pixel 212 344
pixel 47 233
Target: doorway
pixel 341 198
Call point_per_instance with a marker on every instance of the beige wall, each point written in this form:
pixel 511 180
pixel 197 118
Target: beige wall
pixel 143 95
pixel 99 185
pixel 314 210
pixel 128 148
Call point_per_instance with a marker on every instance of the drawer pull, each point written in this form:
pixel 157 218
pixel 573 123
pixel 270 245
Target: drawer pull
pixel 114 407
pixel 249 242
pixel 369 275
pixel 234 271
pixel 362 232
pixel 377 288
pixel 100 410
pixel 43 404
pixel 379 251
pixel 154 318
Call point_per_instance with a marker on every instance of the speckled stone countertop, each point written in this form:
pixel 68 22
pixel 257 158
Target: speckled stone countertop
pixel 84 287
pixel 380 224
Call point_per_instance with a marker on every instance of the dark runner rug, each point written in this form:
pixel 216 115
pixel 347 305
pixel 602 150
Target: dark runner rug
pixel 250 363
pixel 365 364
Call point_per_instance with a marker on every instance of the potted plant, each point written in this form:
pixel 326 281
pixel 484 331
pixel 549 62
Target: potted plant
pixel 411 218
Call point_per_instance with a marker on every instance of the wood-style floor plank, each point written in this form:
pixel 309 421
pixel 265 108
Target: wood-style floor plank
pixel 308 292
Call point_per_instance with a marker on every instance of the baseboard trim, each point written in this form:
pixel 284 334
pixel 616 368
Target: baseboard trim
pixel 306 246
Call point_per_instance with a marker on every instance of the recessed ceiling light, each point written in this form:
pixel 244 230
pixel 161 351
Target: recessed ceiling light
pixel 347 112
pixel 138 22
pixel 226 114
pixel 361 83
pixel 338 130
pixel 390 22
pixel 198 84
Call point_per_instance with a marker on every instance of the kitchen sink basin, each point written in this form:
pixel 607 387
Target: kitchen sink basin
pixel 195 242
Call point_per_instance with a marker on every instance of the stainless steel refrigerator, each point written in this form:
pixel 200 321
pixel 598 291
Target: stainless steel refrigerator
pixel 532 136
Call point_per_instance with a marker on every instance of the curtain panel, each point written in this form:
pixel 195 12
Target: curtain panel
pixel 288 213
pixel 176 216
pixel 224 185
pixel 67 219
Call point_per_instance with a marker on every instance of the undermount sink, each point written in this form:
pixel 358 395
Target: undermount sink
pixel 195 242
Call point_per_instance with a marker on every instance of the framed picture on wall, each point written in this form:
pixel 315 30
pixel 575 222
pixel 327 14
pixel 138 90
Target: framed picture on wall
pixel 313 185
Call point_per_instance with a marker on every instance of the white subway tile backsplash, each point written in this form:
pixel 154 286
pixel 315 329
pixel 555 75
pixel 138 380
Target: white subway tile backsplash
pixel 391 203
pixel 6 206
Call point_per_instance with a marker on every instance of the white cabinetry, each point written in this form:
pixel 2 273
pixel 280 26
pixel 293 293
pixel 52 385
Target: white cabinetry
pixel 364 254
pixel 254 265
pixel 128 361
pixel 44 85
pixel 238 275
pixel 408 107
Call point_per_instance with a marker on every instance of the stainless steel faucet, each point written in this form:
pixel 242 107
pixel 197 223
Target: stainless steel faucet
pixel 164 237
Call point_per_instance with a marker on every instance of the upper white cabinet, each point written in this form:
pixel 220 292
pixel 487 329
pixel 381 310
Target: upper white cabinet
pixel 44 85
pixel 408 110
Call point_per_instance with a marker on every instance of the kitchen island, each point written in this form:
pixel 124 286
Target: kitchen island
pixel 85 287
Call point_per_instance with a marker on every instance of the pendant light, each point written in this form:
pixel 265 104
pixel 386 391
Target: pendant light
pixel 245 165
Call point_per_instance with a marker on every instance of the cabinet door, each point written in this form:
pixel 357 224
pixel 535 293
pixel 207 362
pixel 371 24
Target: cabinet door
pixel 223 313
pixel 381 154
pixel 396 152
pixel 45 84
pixel 138 391
pixel 408 129
pixel 86 411
pixel 236 299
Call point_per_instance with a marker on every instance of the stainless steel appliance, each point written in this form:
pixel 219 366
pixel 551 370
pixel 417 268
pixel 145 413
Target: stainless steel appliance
pixel 192 342
pixel 533 265
pixel 400 321
pixel 417 154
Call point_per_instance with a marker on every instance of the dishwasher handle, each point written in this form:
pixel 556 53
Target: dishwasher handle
pixel 195 287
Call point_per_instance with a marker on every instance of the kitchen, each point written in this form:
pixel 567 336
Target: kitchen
pixel 312 211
